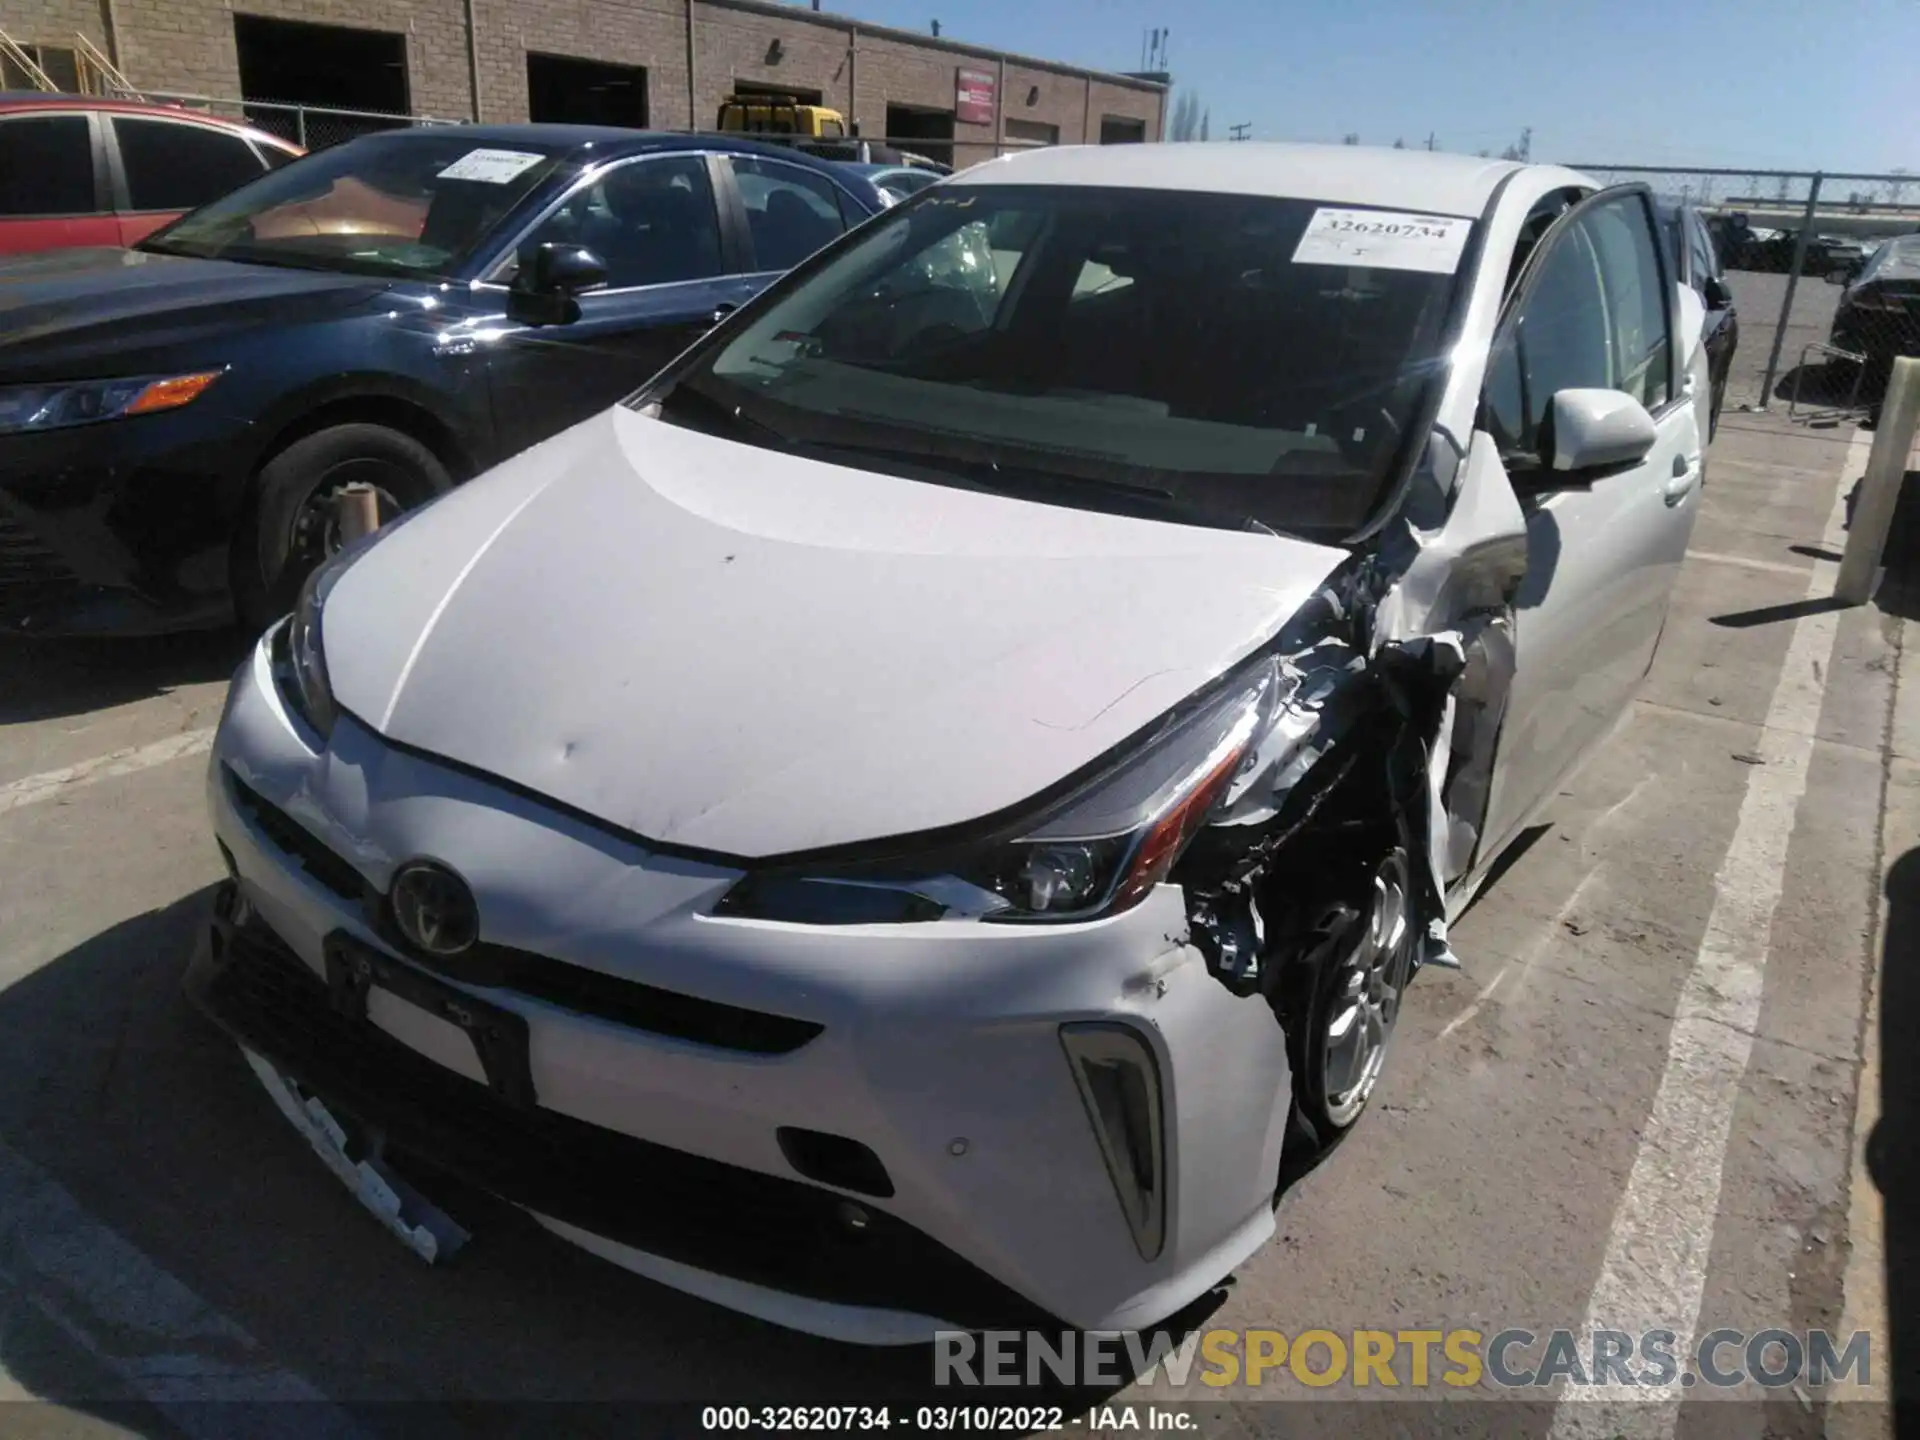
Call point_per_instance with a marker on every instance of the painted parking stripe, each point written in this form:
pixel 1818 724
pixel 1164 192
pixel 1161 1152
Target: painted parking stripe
pixel 32 789
pixel 1777 567
pixel 143 1325
pixel 1655 1270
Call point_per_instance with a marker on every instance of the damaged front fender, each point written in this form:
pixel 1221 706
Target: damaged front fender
pixel 1396 672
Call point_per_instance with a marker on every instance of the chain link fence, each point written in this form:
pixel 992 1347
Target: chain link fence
pixel 1821 309
pixel 312 127
pixel 315 127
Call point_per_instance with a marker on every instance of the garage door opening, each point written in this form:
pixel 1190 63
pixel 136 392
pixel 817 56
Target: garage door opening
pixel 924 132
pixel 330 66
pixel 585 92
pixel 1117 131
pixel 1030 134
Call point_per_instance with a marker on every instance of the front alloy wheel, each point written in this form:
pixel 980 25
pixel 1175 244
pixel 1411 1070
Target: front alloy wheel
pixel 1359 961
pixel 1371 977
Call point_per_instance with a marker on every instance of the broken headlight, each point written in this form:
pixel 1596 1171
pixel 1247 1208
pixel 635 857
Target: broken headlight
pixel 1098 852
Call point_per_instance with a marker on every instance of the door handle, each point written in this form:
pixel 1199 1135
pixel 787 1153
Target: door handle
pixel 720 312
pixel 1686 473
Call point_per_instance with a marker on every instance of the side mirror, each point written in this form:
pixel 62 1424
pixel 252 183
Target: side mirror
pixel 549 278
pixel 1718 296
pixel 1590 430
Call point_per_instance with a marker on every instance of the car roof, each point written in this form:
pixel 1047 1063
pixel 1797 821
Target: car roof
pixel 21 100
pixel 614 140
pixel 1417 180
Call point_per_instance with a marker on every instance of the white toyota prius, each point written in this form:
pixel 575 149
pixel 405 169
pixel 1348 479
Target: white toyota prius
pixel 916 819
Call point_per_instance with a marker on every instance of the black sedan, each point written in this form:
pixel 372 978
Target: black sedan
pixel 1879 312
pixel 405 310
pixel 1698 264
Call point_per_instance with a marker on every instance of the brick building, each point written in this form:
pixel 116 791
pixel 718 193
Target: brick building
pixel 664 63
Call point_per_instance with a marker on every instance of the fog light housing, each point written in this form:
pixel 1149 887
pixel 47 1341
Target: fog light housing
pixel 1119 1083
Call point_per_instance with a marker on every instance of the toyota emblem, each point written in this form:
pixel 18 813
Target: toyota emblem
pixel 434 908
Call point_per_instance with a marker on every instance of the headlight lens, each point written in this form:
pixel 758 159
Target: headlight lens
pixel 313 691
pixel 303 678
pixel 1099 852
pixel 82 402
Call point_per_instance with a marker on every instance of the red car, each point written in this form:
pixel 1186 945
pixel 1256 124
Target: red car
pixel 77 170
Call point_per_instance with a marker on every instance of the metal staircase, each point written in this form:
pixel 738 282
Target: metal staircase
pixel 95 72
pixel 22 60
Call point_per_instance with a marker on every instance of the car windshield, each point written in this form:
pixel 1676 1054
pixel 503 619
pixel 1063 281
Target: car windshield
pixel 412 202
pixel 1215 358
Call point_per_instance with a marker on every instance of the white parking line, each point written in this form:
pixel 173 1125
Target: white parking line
pixel 1778 567
pixel 31 789
pixel 1656 1264
pixel 147 1328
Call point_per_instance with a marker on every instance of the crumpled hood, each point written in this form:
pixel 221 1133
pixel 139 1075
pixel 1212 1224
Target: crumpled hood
pixel 64 309
pixel 737 650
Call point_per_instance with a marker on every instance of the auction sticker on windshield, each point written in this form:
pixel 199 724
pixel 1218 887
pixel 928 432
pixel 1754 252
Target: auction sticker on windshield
pixel 494 167
pixel 1383 239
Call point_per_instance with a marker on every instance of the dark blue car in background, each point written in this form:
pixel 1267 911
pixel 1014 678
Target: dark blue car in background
pixel 404 310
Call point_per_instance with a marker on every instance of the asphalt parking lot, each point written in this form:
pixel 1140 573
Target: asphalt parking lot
pixel 1759 298
pixel 1635 1102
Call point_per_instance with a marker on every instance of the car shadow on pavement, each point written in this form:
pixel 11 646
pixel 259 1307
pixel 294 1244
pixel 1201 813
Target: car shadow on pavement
pixel 1893 1147
pixel 52 679
pixel 1828 385
pixel 1900 590
pixel 116 1090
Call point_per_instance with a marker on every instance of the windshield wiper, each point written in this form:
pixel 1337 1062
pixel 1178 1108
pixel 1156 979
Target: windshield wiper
pixel 1029 482
pixel 703 412
pixel 1146 501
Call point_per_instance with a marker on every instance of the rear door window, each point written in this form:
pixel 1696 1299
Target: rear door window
pixel 48 168
pixel 791 212
pixel 171 166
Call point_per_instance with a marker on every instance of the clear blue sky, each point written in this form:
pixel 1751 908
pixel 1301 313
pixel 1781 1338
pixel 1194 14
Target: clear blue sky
pixel 1776 84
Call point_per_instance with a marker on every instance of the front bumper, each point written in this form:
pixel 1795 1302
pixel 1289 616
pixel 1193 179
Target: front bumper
pixel 121 527
pixel 653 1132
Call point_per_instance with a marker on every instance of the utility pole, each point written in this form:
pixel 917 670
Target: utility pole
pixel 1430 140
pixel 1242 131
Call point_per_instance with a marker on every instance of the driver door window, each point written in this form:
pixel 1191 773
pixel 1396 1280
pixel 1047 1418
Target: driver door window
pixel 1594 317
pixel 651 222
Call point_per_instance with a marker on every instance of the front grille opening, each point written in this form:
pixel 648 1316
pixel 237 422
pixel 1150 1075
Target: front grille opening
pixel 32 577
pixel 834 1160
pixel 647 1007
pixel 296 841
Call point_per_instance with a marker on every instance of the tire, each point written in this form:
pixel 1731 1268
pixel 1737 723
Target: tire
pixel 286 529
pixel 1348 989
